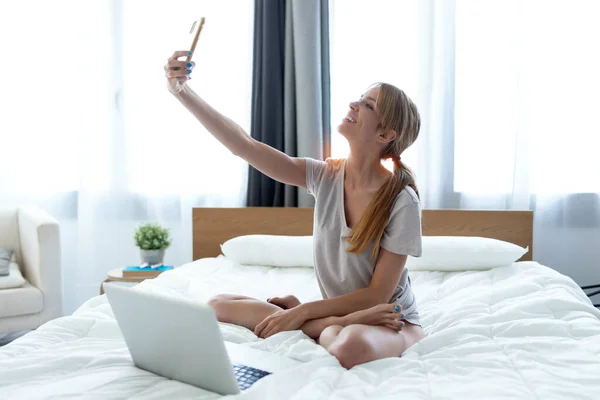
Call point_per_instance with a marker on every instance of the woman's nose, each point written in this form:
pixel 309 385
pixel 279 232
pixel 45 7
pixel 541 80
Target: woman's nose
pixel 354 105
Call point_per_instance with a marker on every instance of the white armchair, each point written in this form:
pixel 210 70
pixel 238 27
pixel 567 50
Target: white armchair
pixel 35 238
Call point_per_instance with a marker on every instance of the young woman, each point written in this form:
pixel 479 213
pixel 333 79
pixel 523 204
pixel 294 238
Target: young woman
pixel 366 222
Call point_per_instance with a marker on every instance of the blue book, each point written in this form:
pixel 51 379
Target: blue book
pixel 137 270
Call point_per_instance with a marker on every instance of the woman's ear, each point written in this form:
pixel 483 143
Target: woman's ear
pixel 387 136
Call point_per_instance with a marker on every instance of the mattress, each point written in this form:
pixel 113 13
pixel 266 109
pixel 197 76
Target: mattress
pixel 521 332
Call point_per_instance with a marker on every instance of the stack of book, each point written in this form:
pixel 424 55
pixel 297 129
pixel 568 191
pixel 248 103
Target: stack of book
pixel 144 272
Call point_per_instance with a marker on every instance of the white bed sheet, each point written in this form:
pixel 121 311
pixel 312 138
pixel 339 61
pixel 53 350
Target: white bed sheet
pixel 523 331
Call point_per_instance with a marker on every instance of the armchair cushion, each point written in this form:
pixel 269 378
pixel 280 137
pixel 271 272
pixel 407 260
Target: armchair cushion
pixel 21 301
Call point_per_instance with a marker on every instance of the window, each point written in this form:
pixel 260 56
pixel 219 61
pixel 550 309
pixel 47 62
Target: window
pixel 526 97
pixel 86 104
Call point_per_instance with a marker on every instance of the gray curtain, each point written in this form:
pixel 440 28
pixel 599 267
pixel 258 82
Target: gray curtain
pixel 290 93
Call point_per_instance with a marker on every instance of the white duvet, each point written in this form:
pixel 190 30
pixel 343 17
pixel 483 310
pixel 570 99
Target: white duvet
pixel 518 332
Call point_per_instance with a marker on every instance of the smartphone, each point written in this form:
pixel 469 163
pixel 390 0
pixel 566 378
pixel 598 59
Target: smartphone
pixel 195 31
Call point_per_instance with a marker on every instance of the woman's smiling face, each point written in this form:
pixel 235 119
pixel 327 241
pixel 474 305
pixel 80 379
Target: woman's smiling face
pixel 361 122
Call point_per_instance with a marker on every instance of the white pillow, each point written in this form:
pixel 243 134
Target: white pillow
pixel 440 253
pixel 14 278
pixel 270 250
pixel 462 253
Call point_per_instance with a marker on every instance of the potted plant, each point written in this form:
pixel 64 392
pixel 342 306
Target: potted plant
pixel 152 239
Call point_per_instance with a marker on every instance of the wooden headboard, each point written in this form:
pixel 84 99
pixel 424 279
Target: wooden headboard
pixel 213 226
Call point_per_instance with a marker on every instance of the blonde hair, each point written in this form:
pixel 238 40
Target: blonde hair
pixel 397 112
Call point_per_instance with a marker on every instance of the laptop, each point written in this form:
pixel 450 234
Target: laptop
pixel 180 339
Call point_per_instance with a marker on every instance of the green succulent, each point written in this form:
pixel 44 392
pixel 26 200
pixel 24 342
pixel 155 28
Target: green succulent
pixel 152 237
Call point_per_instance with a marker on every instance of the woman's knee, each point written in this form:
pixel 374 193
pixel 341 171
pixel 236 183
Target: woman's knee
pixel 221 305
pixel 217 300
pixel 329 334
pixel 351 347
pixel 332 330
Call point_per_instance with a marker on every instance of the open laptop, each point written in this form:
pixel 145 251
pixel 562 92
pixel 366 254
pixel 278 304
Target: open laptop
pixel 181 340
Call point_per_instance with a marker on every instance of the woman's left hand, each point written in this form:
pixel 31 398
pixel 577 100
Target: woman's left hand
pixel 284 320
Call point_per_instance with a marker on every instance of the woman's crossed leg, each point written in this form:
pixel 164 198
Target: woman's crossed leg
pixel 353 339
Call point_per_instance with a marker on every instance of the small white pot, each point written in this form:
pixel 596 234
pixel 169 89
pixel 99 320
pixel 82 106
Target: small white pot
pixel 152 257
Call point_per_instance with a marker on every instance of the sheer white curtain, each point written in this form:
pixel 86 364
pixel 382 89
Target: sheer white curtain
pixel 90 132
pixel 507 92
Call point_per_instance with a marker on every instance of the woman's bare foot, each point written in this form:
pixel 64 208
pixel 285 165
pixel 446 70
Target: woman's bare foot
pixel 388 315
pixel 286 302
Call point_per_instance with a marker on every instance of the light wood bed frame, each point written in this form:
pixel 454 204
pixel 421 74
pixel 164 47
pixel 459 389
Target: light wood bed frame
pixel 213 226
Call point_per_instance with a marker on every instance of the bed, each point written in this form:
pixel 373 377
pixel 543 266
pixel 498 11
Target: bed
pixel 520 331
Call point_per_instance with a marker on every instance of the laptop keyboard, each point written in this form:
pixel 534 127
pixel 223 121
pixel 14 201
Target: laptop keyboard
pixel 246 376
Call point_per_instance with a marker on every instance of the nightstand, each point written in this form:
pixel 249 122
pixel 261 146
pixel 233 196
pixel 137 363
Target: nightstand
pixel 595 293
pixel 116 275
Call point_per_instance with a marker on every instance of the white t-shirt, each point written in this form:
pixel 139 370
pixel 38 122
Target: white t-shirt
pixel 340 272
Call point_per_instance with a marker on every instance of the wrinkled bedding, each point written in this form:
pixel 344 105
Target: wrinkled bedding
pixel 521 331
